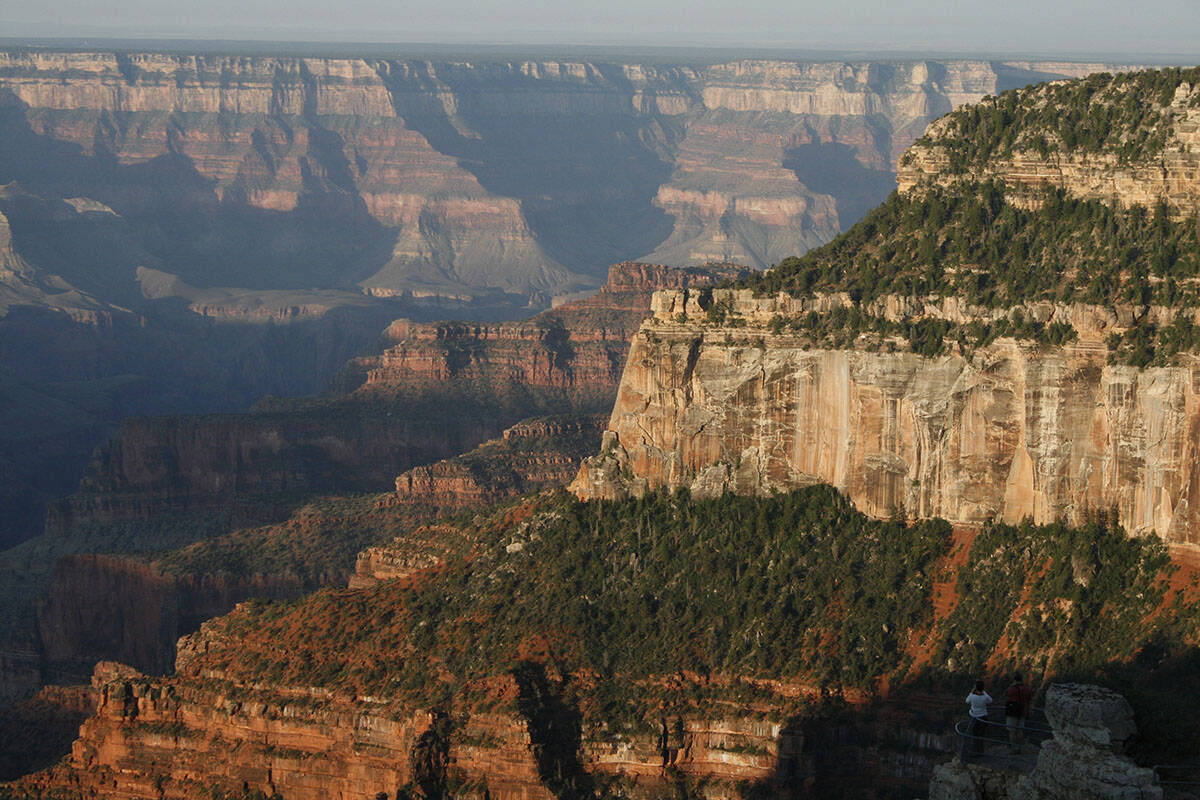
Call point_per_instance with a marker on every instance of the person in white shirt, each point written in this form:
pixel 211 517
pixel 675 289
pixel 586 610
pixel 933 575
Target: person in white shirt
pixel 978 700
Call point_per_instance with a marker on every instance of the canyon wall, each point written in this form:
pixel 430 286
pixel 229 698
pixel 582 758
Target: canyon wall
pixel 388 415
pixel 164 216
pixel 451 177
pixel 531 455
pixel 164 482
pixel 1009 431
pixel 727 392
pixel 184 737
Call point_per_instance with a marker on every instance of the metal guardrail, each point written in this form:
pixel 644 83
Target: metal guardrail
pixel 994 747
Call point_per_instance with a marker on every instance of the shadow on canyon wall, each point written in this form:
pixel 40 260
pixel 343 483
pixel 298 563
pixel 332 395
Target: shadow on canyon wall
pixel 586 186
pixel 831 168
pixel 173 214
pixel 555 731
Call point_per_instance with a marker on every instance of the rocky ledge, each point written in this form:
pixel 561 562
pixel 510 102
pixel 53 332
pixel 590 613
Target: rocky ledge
pixel 1082 762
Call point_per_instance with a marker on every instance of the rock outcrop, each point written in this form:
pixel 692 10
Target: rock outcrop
pixel 1009 431
pixel 531 455
pixel 1172 175
pixel 725 391
pixel 183 737
pixel 1082 761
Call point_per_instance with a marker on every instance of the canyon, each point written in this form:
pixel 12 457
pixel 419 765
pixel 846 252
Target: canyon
pixel 454 176
pixel 191 233
pixel 163 483
pixel 545 647
pixel 385 413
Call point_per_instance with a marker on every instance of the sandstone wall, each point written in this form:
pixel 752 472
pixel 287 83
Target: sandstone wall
pixel 1007 432
pixel 185 736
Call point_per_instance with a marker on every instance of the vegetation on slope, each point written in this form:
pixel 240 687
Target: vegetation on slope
pixel 1121 114
pixel 1000 248
pixel 317 544
pixel 799 585
pixel 971 242
pixel 1087 603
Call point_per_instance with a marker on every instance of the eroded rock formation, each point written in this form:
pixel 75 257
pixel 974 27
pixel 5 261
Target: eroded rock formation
pixel 183 737
pixel 1009 431
pixel 1081 762
pixel 743 400
pixel 436 391
pixel 529 456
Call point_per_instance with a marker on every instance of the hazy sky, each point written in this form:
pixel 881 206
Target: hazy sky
pixel 1049 26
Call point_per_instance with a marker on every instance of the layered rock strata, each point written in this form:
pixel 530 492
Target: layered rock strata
pixel 390 416
pixel 1171 176
pixel 1009 431
pixel 577 347
pixel 461 175
pixel 719 395
pixel 185 736
pixel 529 456
pixel 164 482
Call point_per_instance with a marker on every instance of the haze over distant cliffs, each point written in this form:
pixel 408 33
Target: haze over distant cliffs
pixel 452 177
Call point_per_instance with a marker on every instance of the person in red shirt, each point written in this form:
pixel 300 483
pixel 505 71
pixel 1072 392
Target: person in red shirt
pixel 1017 698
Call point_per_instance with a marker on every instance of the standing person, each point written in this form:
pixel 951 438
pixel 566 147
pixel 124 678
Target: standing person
pixel 978 700
pixel 1016 709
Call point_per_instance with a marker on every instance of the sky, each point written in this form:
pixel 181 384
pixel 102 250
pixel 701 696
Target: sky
pixel 1067 27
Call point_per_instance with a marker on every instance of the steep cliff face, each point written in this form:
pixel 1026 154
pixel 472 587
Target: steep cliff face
pixel 36 733
pixel 179 739
pixel 147 195
pixel 576 348
pixel 1008 431
pixel 182 737
pixel 99 608
pixel 253 467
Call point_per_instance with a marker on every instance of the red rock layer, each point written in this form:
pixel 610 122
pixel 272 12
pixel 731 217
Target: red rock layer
pixel 100 607
pixel 186 736
pixel 529 456
pixel 578 346
pixel 181 738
